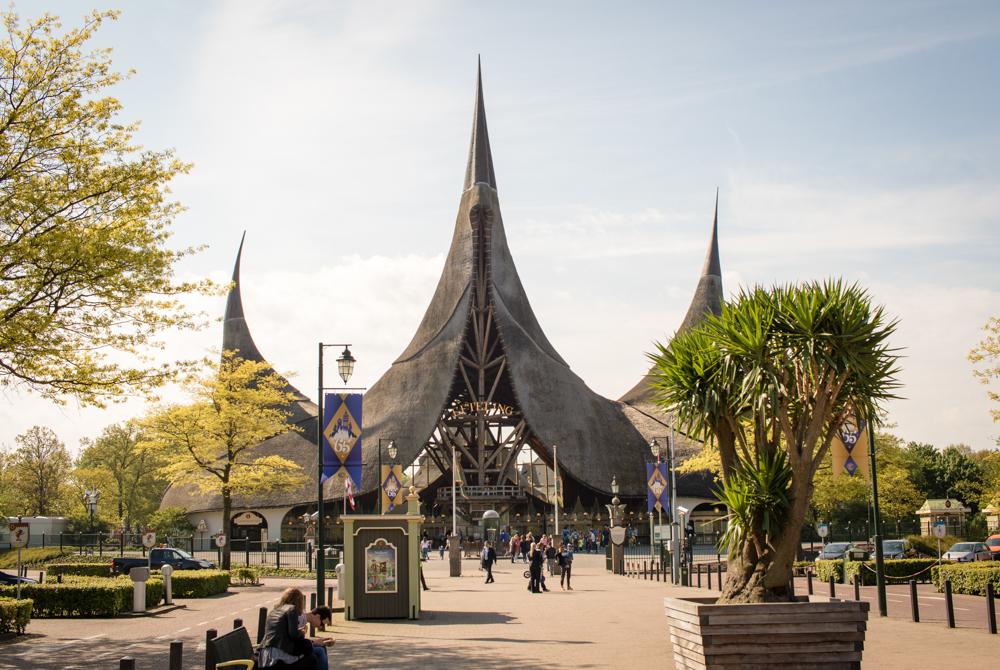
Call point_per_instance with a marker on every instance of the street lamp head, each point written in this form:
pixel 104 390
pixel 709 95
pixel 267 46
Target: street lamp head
pixel 614 485
pixel 654 447
pixel 345 364
pixel 392 449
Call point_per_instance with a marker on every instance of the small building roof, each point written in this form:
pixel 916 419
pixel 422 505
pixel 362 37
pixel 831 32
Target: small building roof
pixel 942 506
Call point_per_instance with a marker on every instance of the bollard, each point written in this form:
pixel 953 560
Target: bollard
pixel 857 587
pixel 991 611
pixel 41 577
pixel 210 635
pixel 58 579
pixel 833 587
pixel 699 575
pixel 809 582
pixel 127 663
pixel 709 576
pixel 914 603
pixel 312 605
pixel 659 569
pixel 237 623
pixel 949 604
pixel 791 586
pixel 329 596
pixel 645 572
pixel 176 655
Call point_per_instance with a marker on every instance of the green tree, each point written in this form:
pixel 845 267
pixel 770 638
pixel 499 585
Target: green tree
pixel 86 282
pixel 958 474
pixel 211 443
pixel 921 462
pixel 772 380
pixel 986 354
pixel 133 484
pixel 40 471
pixel 171 522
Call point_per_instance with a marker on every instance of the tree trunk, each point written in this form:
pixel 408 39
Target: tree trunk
pixel 754 577
pixel 227 510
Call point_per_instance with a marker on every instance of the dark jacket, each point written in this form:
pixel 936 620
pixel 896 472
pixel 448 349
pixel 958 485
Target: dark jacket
pixel 281 630
pixel 536 559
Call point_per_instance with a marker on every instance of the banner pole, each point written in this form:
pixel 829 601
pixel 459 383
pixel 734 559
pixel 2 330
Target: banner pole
pixel 320 536
pixel 879 557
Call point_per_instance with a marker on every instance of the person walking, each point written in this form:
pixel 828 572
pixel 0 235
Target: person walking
pixel 489 558
pixel 566 562
pixel 441 548
pixel 515 547
pixel 550 558
pixel 527 543
pixel 535 568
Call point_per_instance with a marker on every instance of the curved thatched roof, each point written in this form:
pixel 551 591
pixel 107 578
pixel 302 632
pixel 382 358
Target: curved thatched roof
pixel 595 438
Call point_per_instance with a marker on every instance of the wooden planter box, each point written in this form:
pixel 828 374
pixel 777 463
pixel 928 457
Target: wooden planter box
pixel 817 632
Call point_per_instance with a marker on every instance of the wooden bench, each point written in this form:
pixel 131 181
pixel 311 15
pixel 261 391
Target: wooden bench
pixel 234 649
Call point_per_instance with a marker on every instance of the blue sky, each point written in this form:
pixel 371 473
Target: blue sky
pixel 847 139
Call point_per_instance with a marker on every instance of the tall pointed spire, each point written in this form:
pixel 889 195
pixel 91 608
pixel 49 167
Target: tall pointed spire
pixel 480 166
pixel 234 303
pixel 235 332
pixel 707 300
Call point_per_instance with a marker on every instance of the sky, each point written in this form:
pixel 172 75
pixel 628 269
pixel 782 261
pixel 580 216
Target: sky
pixel 852 139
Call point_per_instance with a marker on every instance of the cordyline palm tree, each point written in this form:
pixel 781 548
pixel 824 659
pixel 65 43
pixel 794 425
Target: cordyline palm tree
pixel 772 380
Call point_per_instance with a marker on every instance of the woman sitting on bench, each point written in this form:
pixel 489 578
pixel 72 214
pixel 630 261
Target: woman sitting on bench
pixel 285 644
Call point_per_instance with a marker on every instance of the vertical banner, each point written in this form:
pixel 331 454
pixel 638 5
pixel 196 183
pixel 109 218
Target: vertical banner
pixel 849 449
pixel 657 487
pixel 342 439
pixel 391 483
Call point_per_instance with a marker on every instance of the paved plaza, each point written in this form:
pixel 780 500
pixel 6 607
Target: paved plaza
pixel 605 622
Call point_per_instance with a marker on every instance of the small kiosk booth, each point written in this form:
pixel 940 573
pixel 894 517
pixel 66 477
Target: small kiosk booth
pixel 382 564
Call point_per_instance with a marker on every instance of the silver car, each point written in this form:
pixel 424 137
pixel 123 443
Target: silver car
pixel 964 552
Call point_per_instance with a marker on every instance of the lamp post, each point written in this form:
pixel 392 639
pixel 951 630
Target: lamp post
pixel 391 448
pixel 615 515
pixel 90 498
pixel 345 367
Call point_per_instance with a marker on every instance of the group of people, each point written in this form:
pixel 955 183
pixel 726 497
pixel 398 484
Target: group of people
pixel 542 553
pixel 285 644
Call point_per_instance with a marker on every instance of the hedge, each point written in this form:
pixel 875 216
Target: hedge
pixel 826 569
pixel 32 557
pixel 85 596
pixel 928 546
pixel 897 570
pixel 968 578
pixel 79 569
pixel 14 615
pixel 269 571
pixel 199 583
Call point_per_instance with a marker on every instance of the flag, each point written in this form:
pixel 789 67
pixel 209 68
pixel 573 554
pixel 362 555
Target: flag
pixel 849 449
pixel 657 487
pixel 342 437
pixel 349 491
pixel 391 483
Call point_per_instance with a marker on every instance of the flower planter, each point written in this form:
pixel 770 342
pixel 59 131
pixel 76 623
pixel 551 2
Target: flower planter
pixel 815 632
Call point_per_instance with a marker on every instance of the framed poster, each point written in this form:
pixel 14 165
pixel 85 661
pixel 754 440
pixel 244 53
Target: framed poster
pixel 381 567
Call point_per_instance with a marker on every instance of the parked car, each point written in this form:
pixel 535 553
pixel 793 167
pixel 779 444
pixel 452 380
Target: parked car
pixel 993 542
pixel 833 551
pixel 968 551
pixel 895 548
pixel 11 580
pixel 176 558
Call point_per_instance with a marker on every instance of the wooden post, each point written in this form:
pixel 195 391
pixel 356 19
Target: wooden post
pixel 261 624
pixel 699 575
pixel 709 576
pixel 949 604
pixel 809 582
pixel 237 623
pixel 857 586
pixel 176 655
pixel 914 603
pixel 833 587
pixel 127 663
pixel 991 611
pixel 210 635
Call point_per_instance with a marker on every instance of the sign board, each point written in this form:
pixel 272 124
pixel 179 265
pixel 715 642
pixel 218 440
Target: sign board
pixel 247 519
pixel 618 535
pixel 149 539
pixel 661 532
pixel 20 533
pixel 822 530
pixel 220 540
pixel 939 529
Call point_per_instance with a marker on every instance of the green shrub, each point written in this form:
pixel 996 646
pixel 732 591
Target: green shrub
pixel 85 596
pixel 897 570
pixel 826 569
pixel 292 573
pixel 14 615
pixel 968 578
pixel 928 545
pixel 245 575
pixel 199 583
pixel 33 557
pixel 79 569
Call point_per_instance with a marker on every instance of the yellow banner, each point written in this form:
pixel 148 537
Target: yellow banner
pixel 849 450
pixel 393 492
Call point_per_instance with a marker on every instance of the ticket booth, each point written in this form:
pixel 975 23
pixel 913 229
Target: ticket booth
pixel 382 564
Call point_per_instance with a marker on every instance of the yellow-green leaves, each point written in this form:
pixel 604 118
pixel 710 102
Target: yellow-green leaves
pixel 86 278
